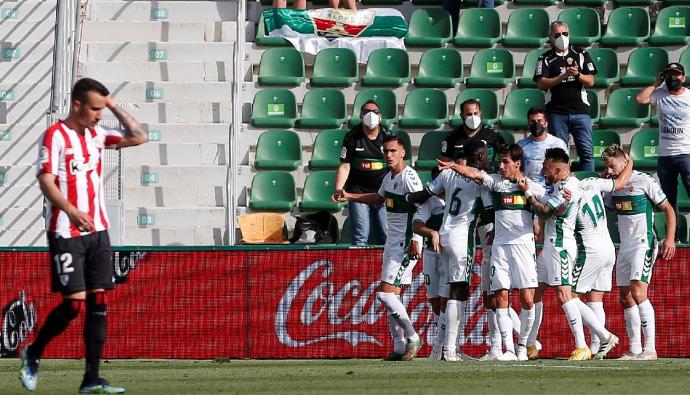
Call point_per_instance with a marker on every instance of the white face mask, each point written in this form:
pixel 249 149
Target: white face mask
pixel 473 122
pixel 562 42
pixel 371 120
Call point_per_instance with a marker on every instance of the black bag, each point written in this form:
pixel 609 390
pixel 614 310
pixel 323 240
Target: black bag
pixel 313 229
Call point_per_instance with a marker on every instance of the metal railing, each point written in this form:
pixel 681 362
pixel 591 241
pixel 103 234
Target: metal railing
pixel 236 127
pixel 67 31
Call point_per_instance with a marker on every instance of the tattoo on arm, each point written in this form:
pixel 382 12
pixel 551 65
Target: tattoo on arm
pixel 131 125
pixel 540 208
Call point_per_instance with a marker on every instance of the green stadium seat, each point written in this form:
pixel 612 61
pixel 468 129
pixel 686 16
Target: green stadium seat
pixel 508 137
pixel 628 3
pixel 281 66
pixel 407 143
pixel 272 191
pixel 626 26
pixel 424 107
pixel 326 149
pixel 681 227
pixel 623 111
pixel 488 103
pixel 439 68
pixel 323 108
pixel 672 27
pixel 644 149
pixel 528 68
pixel 335 67
pixel 267 41
pixel 685 61
pixel 429 27
pixel 274 108
pixel 475 3
pixel 491 68
pixel 644 64
pixel 478 28
pixel 319 186
pixel 535 2
pixel 683 200
pixel 589 3
pixel 278 150
pixel 386 100
pixel 594 110
pixel 425 176
pixel 612 222
pixel 427 2
pixel 654 121
pixel 606 62
pixel 381 2
pixel 387 67
pixel 429 150
pixel 517 103
pixel 527 27
pixel 602 139
pixel 583 24
pixel 582 174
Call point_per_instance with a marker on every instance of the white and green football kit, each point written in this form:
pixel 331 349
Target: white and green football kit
pixel 596 253
pixel 513 264
pixel 555 263
pixel 431 213
pixel 457 232
pixel 635 208
pixel 397 268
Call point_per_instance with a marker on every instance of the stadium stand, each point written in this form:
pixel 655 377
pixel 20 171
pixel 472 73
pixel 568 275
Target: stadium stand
pixel 273 191
pixel 429 28
pixel 327 146
pixel 318 188
pixel 424 107
pixel 644 149
pixel 429 149
pixel 583 25
pixel 626 26
pixel 488 102
pixel 281 66
pixel 478 27
pixel 608 70
pixel 386 101
pixel 644 65
pixel 278 150
pixel 439 68
pixel 527 27
pixel 335 67
pixel 323 108
pixel 387 67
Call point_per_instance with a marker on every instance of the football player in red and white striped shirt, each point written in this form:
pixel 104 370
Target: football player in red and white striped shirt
pixel 69 173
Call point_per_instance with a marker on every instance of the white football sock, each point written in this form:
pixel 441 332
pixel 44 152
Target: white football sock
pixel 538 314
pixel 454 316
pixel 396 309
pixel 441 325
pixel 516 321
pixel 572 312
pixel 632 326
pixel 494 333
pixel 526 322
pixel 598 309
pixel 592 321
pixel 505 325
pixel 648 324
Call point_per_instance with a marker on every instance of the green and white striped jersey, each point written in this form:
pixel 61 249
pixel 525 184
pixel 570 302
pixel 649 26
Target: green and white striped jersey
pixel 560 231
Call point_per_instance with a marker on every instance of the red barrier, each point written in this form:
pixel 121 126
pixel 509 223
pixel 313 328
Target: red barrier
pixel 282 304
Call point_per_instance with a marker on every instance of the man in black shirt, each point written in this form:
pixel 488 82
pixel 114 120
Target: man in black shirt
pixel 362 168
pixel 564 73
pixel 472 129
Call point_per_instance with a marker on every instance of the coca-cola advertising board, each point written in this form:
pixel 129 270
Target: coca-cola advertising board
pixel 287 303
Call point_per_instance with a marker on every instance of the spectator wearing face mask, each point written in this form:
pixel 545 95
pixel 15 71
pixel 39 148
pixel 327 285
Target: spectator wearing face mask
pixel 534 146
pixel 361 170
pixel 564 73
pixel 471 129
pixel 672 102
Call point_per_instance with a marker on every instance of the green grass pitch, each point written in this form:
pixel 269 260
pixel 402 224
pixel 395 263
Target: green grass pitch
pixel 665 376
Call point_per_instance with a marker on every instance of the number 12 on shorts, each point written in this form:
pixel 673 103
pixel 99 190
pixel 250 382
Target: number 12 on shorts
pixel 63 266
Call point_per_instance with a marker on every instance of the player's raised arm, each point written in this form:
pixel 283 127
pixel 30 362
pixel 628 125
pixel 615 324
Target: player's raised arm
pixel 542 209
pixel 472 173
pixel 135 134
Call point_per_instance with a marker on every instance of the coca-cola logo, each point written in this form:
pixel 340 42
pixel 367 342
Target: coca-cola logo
pixel 18 320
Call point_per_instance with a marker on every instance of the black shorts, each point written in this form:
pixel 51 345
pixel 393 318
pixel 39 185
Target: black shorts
pixel 81 263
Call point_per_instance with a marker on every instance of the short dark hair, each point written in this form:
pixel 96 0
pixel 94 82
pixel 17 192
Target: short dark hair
pixel 472 149
pixel 514 151
pixel 370 102
pixel 535 110
pixel 614 150
pixel 81 89
pixel 392 137
pixel 557 155
pixel 468 102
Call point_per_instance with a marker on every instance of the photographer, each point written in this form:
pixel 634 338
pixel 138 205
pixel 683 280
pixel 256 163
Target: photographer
pixel 672 102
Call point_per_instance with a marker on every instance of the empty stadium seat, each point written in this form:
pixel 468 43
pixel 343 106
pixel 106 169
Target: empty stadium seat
pixel 508 137
pixel 326 149
pixel 278 150
pixel 606 62
pixel 425 177
pixel 622 110
pixel 626 26
pixel 424 107
pixel 335 67
pixel 281 66
pixel 274 108
pixel 644 64
pixel 528 68
pixel 527 27
pixel 491 68
pixel 582 174
pixel 594 110
pixel 272 191
pixel 478 28
pixel 439 68
pixel 387 67
pixel 589 3
pixel 319 186
pixel 429 27
pixel 602 139
pixel 488 103
pixel 323 108
pixel 429 150
pixel 518 102
pixel 583 25
pixel 268 41
pixel 681 226
pixel 386 101
pixel 672 27
pixel 644 149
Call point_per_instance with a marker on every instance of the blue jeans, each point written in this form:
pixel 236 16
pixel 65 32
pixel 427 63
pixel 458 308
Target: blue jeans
pixel 580 126
pixel 365 218
pixel 668 169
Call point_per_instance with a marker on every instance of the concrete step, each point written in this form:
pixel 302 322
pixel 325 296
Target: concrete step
pixel 160 31
pixel 24 71
pixel 26 51
pixel 28 11
pixel 159 71
pixel 176 176
pixel 171 154
pixel 154 51
pixel 188 236
pixel 34 237
pixel 24 102
pixel 193 113
pixel 14 32
pixel 171 197
pixel 21 197
pixel 172 11
pixel 176 218
pixel 18 154
pixel 22 218
pixel 19 176
pixel 170 92
pixel 218 133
